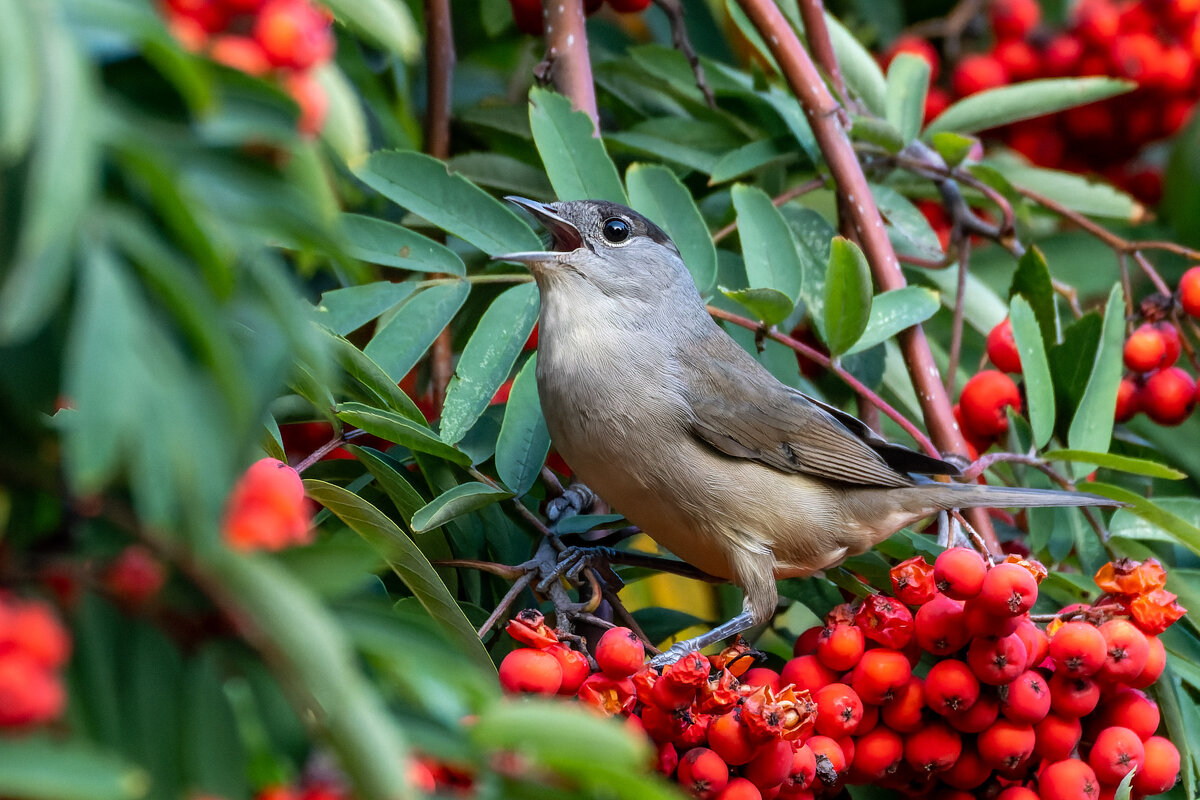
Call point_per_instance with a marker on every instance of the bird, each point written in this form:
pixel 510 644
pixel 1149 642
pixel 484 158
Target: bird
pixel 681 430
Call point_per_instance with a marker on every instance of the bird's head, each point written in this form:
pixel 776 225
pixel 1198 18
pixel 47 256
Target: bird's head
pixel 595 244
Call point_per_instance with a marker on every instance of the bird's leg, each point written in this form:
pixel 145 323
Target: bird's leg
pixel 575 499
pixel 755 573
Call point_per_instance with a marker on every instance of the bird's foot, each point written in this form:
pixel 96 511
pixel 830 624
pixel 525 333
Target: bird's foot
pixel 575 499
pixel 574 560
pixel 672 654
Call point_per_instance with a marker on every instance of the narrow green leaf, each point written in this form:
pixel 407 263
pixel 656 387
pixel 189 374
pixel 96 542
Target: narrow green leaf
pixel 20 80
pixel 504 173
pixel 847 295
pixel 1125 787
pixel 40 768
pixel 1032 281
pixel 908 229
pixel 402 494
pixel 1128 525
pixel 345 126
pixel 378 241
pixel 1091 427
pixel 768 305
pixel 524 441
pixel 582 523
pixel 401 430
pixel 424 185
pixel 1076 192
pixel 1183 531
pixel 576 161
pixel 462 499
pixel 1020 101
pixel 401 341
pixel 407 561
pixel 1039 388
pixel 859 67
pixel 876 131
pixel 347 310
pixel 907 85
pixel 1134 466
pixel 657 193
pixel 488 358
pixel 388 23
pixel 371 376
pixel 770 254
pixel 953 147
pixel 750 158
pixel 892 312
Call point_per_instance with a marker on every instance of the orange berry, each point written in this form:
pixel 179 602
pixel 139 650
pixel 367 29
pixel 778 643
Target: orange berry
pixel 1078 649
pixel 880 674
pixel 1168 396
pixel 1008 590
pixel 529 670
pixel 242 53
pixel 702 773
pixel 1115 752
pixel 1160 767
pixel 984 399
pixel 933 748
pixel 1057 737
pixel 1145 349
pixel 311 98
pixel 1189 290
pixel 1127 650
pixel 959 572
pixel 619 653
pixel 1007 744
pixel 840 646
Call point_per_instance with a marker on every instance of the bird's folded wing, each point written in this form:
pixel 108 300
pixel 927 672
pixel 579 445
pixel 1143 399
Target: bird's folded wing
pixel 756 417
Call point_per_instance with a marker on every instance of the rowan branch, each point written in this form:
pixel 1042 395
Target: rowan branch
pixel 567 64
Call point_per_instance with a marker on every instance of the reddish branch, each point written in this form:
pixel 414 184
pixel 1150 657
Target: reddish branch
pixel 812 14
pixel 823 113
pixel 567 64
pixel 439 62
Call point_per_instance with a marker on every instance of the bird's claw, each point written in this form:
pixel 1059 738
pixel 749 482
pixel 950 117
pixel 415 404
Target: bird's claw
pixel 574 560
pixel 575 499
pixel 670 655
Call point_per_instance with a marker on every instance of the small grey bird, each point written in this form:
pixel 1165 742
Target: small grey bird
pixel 681 430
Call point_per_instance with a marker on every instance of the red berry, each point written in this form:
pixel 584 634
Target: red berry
pixel 959 572
pixel 1070 779
pixel 730 739
pixel 951 687
pixel 135 576
pixel 1007 744
pixel 976 73
pixel 761 676
pixel 1026 699
pixel 1115 752
pixel 629 6
pixel 828 755
pixel 904 712
pixel 619 653
pixel 1037 644
pixel 529 670
pixel 1131 708
pixel 840 646
pixel 1189 292
pixel 1008 590
pixel 1061 56
pixel 806 672
pixel 311 98
pixel 294 34
pixel 1145 349
pixel 913 581
pixel 1078 649
pixel 1172 341
pixel 1057 737
pixel 806 643
pixel 933 748
pixel 737 788
pixel 839 710
pixel 527 14
pixel 877 755
pixel 984 399
pixel 1156 662
pixel 1097 21
pixel 242 53
pixel 979 717
pixel 1072 696
pixel 879 674
pixel 885 620
pixel 30 693
pixel 996 660
pixel 1127 650
pixel 1019 59
pixel 1168 396
pixel 969 772
pixel 1002 347
pixel 575 668
pixel 771 766
pixel 702 773
pixel 919 47
pixel 1014 19
pixel 1160 768
pixel 804 770
pixel 1129 400
pixel 940 626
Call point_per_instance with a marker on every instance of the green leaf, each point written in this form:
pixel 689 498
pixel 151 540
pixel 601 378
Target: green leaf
pixel 657 193
pixel 582 523
pixel 909 230
pixel 345 127
pixel 1076 192
pixel 401 430
pixel 388 23
pixel 1183 531
pixel 462 499
pixel 952 147
pixel 768 305
pixel 214 758
pixel 371 376
pixel 859 68
pixel 347 310
pixel 1125 787
pixel 425 186
pixel 996 107
pixel 401 341
pixel 576 161
pixel 876 131
pixel 1032 281
pixel 524 441
pixel 504 173
pixel 1134 466
pixel 811 235
pixel 847 295
pixel 20 80
pixel 407 561
pixel 770 254
pixel 750 158
pixel 377 241
pixel 1039 388
pixel 893 311
pixel 1092 426
pixel 907 85
pixel 488 358
pixel 40 768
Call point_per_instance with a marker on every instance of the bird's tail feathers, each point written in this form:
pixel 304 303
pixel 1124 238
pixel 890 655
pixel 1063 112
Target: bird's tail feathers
pixel 964 495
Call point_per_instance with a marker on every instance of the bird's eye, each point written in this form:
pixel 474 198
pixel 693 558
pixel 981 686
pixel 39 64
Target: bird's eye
pixel 616 230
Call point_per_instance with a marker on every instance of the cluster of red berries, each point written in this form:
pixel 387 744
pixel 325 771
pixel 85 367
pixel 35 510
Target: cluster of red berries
pixel 425 776
pixel 1005 706
pixel 1154 385
pixel 33 649
pixel 529 17
pixel 282 39
pixel 267 509
pixel 1156 44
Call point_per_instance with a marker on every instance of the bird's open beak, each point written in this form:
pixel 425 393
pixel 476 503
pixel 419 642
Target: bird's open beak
pixel 564 236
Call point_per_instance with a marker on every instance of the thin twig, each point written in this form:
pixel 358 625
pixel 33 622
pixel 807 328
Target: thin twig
pixel 679 38
pixel 327 448
pixel 509 598
pixel 956 331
